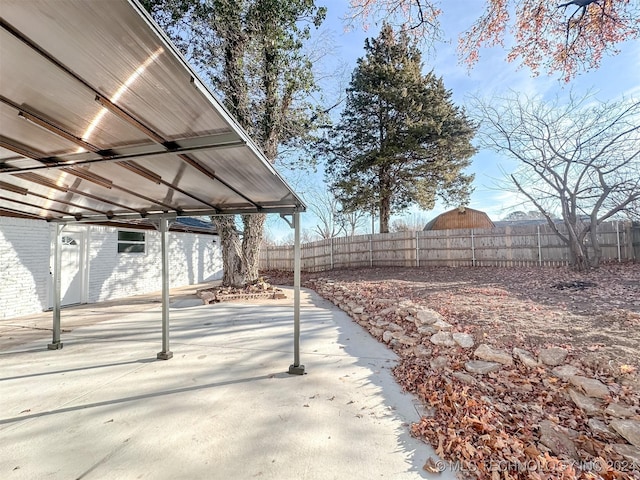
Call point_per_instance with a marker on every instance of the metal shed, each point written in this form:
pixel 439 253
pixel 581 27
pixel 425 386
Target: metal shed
pixel 102 120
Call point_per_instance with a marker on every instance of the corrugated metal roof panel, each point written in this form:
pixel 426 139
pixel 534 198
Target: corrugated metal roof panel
pixel 101 117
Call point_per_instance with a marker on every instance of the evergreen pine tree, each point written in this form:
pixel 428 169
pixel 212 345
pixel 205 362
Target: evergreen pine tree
pixel 400 140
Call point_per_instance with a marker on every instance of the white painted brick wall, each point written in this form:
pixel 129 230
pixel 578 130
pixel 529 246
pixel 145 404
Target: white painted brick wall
pixel 25 256
pixel 192 259
pixel 24 266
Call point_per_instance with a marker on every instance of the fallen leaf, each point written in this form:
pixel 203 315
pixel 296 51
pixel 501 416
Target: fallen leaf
pixel 432 466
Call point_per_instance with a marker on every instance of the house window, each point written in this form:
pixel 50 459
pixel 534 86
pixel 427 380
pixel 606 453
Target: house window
pixel 69 241
pixel 131 242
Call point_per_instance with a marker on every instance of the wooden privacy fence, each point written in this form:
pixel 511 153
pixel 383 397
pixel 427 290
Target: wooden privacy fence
pixel 499 246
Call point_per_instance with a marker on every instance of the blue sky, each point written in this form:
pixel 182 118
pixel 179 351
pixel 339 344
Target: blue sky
pixel 492 75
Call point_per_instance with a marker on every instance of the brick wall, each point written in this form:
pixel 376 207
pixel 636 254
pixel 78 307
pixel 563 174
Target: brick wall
pixel 192 259
pixel 24 266
pixel 25 258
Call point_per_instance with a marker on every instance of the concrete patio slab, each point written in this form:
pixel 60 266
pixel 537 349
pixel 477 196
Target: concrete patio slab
pixel 222 408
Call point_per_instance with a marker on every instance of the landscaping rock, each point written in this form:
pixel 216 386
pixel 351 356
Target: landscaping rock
pixel 463 339
pixel 553 356
pixel 439 363
pixel 565 372
pixel 422 351
pixel 525 357
pixel 620 411
pixel 426 330
pixel 478 366
pixel 357 310
pixel 376 332
pixel 556 440
pixel 386 311
pixel 394 327
pixel 628 429
pixel 599 427
pixel 442 338
pixel 590 386
pixel 387 336
pixel 485 352
pixel 427 317
pixel 463 377
pixel 591 406
pixel 442 325
pixel 381 322
pixel 630 453
pixel 406 340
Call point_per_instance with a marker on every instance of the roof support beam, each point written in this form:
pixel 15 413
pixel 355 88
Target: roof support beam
pixel 130 119
pixel 44 181
pixel 49 126
pixel 56 130
pixel 23 191
pixel 20 150
pixel 213 176
pixel 89 176
pixel 129 153
pixel 143 172
pixel 37 207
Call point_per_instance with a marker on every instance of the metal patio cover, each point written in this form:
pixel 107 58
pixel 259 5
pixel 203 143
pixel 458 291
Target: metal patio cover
pixel 101 118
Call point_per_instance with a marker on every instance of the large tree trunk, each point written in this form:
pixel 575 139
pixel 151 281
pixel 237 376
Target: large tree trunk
pixel 233 274
pixel 385 199
pixel 594 261
pixel 253 230
pixel 385 214
pixel 577 251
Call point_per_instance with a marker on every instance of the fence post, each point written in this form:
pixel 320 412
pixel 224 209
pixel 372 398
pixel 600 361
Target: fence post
pixel 267 255
pixel 371 250
pixel 331 252
pixel 539 247
pixel 618 239
pixel 473 250
pixel 417 249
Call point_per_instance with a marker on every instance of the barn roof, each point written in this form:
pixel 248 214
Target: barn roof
pixel 459 218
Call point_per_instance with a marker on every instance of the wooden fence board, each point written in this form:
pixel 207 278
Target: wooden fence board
pixel 506 246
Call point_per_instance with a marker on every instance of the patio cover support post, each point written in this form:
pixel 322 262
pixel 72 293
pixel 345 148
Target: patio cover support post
pixel 56 344
pixel 296 368
pixel 165 354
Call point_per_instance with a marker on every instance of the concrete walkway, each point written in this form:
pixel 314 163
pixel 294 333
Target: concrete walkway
pixel 222 408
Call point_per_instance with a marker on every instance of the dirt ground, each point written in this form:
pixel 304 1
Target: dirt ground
pixel 525 307
pixel 518 422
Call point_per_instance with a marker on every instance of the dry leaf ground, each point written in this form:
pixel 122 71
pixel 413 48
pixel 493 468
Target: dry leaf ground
pixel 490 428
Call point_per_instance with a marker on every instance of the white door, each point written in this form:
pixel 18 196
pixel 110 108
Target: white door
pixel 72 272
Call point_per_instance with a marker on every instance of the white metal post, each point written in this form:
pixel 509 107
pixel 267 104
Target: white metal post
pixel 296 368
pixel 56 344
pixel 165 354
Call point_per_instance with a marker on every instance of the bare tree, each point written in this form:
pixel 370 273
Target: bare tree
pixel 579 158
pixel 564 37
pixel 411 223
pixel 326 208
pixel 354 221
